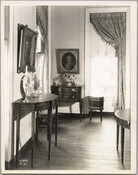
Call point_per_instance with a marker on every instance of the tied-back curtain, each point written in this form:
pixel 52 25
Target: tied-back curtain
pixel 42 22
pixel 111 27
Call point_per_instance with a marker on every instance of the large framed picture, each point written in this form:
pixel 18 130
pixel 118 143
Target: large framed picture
pixel 67 61
pixel 26 48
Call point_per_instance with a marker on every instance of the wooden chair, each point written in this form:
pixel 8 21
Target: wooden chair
pixel 42 120
pixel 96 103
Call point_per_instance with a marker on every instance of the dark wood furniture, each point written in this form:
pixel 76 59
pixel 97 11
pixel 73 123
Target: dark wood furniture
pixel 20 110
pixel 43 120
pixel 68 95
pixel 96 103
pixel 123 120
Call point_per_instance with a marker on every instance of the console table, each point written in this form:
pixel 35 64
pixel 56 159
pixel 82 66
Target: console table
pixel 20 110
pixel 68 95
pixel 123 120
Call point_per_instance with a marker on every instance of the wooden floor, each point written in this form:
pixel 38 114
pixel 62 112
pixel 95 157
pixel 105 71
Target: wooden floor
pixel 81 146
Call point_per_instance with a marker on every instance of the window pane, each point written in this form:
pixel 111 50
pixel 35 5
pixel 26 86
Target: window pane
pixel 103 80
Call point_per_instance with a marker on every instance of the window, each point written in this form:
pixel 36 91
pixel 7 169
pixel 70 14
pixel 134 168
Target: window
pixel 101 68
pixel 103 80
pixel 41 68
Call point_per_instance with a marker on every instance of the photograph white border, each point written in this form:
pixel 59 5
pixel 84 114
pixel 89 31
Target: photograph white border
pixel 133 52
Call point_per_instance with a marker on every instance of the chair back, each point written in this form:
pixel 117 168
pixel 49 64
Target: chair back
pixel 96 103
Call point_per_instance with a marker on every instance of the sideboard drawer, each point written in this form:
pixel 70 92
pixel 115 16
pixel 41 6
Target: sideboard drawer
pixel 75 97
pixel 70 97
pixel 70 89
pixel 67 94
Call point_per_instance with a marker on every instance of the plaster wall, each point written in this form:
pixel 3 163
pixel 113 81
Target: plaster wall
pixel 67 31
pixel 24 15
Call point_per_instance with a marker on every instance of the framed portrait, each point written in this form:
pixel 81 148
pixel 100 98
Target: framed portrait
pixel 26 48
pixel 67 61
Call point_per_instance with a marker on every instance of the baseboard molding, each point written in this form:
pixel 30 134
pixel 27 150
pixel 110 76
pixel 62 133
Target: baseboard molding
pixel 9 165
pixel 77 114
pixel 108 113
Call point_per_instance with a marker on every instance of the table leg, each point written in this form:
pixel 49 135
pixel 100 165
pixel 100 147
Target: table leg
pixel 101 115
pixel 80 104
pixel 56 125
pixel 37 115
pixel 70 109
pixel 53 124
pixel 122 144
pixel 12 135
pixel 117 138
pixel 17 137
pixel 32 153
pixel 49 129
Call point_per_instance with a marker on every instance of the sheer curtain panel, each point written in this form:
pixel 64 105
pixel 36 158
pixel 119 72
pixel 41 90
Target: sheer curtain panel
pixel 43 57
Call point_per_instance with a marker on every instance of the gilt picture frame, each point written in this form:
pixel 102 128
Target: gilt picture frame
pixel 67 61
pixel 26 48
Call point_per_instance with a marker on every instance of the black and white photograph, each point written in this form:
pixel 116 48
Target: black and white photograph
pixel 68 87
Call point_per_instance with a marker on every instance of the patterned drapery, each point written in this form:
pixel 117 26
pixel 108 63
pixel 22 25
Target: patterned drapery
pixel 42 22
pixel 111 27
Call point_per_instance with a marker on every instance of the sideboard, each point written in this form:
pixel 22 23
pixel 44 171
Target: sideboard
pixel 68 95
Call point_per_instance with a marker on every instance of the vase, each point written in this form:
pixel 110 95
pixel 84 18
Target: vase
pixel 69 84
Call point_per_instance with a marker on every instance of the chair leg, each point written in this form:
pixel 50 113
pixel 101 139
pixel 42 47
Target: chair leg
pixel 37 115
pixel 101 115
pixel 90 115
pixel 53 125
pixel 117 137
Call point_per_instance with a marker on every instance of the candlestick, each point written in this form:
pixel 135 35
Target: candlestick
pixel 26 85
pixel 26 70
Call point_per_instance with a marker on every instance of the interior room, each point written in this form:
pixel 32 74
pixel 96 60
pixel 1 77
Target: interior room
pixel 67 94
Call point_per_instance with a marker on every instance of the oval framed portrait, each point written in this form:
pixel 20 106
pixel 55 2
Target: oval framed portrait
pixel 67 60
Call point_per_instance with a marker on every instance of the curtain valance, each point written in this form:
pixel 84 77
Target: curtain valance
pixel 110 26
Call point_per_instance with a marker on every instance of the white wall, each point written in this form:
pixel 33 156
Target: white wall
pixel 67 31
pixel 23 15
